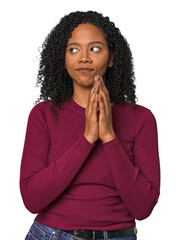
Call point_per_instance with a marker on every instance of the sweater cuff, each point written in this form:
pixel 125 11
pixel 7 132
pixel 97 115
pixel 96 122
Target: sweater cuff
pixel 110 142
pixel 87 142
pixel 110 146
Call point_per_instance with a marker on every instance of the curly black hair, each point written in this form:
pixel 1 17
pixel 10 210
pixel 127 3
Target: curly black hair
pixel 53 78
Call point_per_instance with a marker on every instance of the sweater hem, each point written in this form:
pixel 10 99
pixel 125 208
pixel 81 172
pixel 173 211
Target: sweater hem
pixel 62 226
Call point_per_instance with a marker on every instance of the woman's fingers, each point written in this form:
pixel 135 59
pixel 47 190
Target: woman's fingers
pixel 91 126
pixel 92 99
pixel 104 101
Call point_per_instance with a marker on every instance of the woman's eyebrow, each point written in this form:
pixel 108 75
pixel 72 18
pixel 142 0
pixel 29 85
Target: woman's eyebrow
pixel 90 43
pixel 96 42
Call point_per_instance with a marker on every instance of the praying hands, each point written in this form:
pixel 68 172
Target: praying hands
pixel 101 127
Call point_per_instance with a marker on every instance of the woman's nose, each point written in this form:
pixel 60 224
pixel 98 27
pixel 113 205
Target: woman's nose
pixel 85 58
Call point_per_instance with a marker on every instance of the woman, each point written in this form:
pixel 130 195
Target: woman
pixel 90 163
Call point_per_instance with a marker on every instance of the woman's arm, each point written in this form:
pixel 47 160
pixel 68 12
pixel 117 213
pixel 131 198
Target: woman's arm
pixel 138 184
pixel 41 183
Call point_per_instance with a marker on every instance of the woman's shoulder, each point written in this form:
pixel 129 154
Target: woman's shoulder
pixel 129 107
pixel 134 111
pixel 137 117
pixel 40 109
pixel 41 106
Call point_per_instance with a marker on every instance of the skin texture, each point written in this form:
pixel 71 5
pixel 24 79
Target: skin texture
pixel 87 48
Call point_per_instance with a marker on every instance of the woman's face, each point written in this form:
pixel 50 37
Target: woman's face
pixel 87 55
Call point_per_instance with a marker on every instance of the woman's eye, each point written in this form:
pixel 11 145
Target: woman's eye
pixel 73 50
pixel 95 49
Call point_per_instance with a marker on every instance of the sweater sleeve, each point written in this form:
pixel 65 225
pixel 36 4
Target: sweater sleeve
pixel 138 183
pixel 41 183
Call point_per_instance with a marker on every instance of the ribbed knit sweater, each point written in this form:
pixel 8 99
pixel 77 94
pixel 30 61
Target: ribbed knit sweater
pixel 73 184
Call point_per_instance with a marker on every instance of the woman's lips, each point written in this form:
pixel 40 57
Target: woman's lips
pixel 84 70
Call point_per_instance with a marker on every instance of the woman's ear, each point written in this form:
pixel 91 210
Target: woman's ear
pixel 110 63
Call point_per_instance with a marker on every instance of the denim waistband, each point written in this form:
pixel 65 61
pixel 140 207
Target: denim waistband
pixel 42 232
pixel 46 230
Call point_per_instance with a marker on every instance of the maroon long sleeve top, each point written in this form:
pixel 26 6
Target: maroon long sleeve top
pixel 73 184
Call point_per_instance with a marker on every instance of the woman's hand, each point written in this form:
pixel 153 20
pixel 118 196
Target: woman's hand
pixel 106 131
pixel 99 128
pixel 92 129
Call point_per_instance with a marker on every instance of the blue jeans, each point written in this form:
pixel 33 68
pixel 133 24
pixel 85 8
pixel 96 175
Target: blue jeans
pixel 39 231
